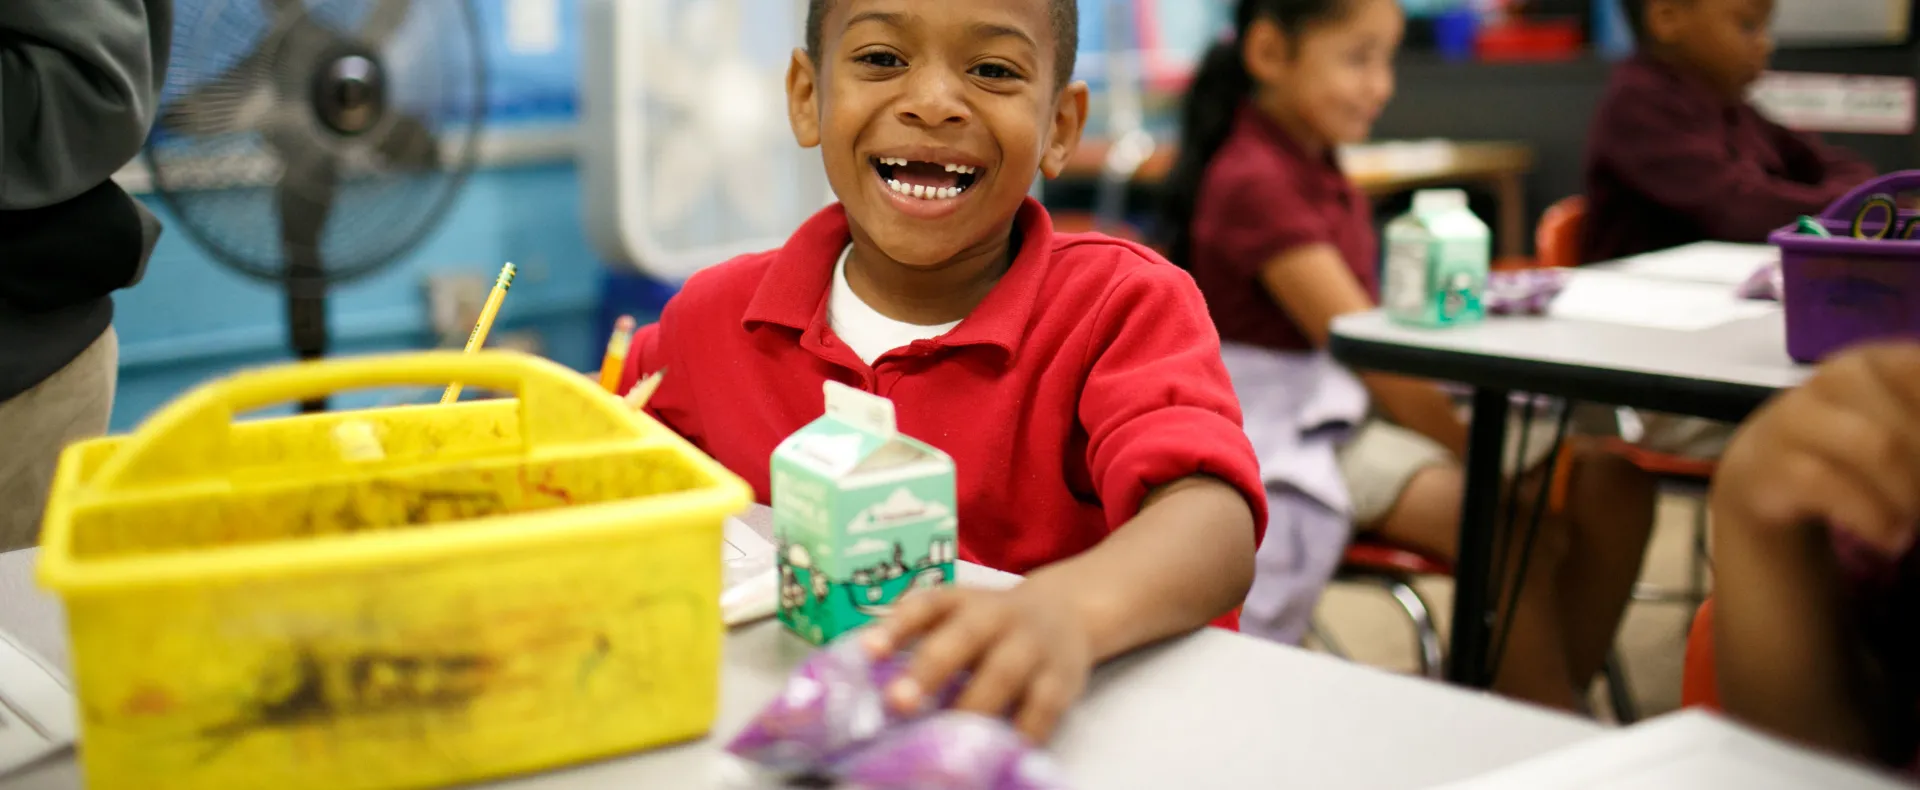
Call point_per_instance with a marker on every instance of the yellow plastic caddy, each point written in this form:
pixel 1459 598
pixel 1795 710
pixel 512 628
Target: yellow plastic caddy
pixel 396 597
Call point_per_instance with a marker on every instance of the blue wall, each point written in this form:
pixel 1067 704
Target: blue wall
pixel 191 319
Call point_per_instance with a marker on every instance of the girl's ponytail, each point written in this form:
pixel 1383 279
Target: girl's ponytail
pixel 1219 87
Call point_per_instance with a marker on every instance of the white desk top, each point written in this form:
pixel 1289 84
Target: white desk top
pixel 1722 372
pixel 1211 710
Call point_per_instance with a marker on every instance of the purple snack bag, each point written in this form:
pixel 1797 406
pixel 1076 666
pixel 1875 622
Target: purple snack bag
pixel 951 751
pixel 1525 291
pixel 833 704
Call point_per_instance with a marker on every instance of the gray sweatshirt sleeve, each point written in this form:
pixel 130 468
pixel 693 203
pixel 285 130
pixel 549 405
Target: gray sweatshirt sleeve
pixel 79 86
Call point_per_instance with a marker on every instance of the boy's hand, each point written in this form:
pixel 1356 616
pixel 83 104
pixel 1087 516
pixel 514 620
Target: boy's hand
pixel 1843 449
pixel 1027 653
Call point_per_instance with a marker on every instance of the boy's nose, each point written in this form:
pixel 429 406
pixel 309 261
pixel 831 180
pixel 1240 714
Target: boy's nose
pixel 934 98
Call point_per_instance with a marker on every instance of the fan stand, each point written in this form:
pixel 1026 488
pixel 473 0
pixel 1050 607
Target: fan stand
pixel 305 199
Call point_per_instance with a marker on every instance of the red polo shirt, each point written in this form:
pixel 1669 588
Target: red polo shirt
pixel 1262 196
pixel 1089 376
pixel 1669 162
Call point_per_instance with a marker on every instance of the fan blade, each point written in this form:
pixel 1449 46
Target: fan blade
pixel 386 17
pixel 409 145
pixel 232 102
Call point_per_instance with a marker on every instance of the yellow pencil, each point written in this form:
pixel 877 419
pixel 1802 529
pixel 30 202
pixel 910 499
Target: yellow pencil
pixel 643 391
pixel 615 361
pixel 480 328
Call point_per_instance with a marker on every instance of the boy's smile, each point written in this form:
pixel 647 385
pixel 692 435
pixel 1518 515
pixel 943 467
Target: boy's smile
pixel 927 183
pixel 933 118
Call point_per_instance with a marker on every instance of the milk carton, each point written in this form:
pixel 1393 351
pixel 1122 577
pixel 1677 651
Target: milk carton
pixel 1437 261
pixel 862 514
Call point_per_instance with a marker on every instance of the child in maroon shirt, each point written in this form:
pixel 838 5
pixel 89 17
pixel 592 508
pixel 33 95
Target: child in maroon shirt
pixel 1676 155
pixel 1816 508
pixel 1075 380
pixel 1282 243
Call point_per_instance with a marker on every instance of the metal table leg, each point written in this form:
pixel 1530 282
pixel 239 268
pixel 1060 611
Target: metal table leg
pixel 1473 610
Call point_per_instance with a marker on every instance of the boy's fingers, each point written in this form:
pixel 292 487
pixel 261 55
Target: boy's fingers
pixel 1857 443
pixel 1047 700
pixel 916 614
pixel 1001 677
pixel 1806 487
pixel 955 645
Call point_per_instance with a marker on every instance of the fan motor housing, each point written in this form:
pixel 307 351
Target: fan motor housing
pixel 350 91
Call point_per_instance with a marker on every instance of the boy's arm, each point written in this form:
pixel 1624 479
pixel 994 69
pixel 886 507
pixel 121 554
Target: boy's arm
pixel 1171 462
pixel 1813 161
pixel 1654 145
pixel 79 86
pixel 1786 657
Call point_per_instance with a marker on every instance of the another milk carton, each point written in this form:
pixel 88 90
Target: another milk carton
pixel 861 515
pixel 1437 261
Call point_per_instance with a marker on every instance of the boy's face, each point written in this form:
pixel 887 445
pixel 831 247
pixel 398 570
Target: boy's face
pixel 1728 42
pixel 933 117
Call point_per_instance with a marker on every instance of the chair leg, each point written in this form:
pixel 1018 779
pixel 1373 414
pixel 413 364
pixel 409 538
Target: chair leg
pixel 1327 643
pixel 1619 693
pixel 1432 657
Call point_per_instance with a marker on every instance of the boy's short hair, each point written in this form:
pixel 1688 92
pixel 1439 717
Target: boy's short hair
pixel 1066 34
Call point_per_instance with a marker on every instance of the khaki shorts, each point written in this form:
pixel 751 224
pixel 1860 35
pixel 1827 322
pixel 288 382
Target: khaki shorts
pixel 1382 458
pixel 72 404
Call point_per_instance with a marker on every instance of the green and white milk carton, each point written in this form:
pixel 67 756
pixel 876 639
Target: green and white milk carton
pixel 861 515
pixel 1437 260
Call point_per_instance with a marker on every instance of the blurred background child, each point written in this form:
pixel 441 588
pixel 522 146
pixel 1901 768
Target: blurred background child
pixel 1282 243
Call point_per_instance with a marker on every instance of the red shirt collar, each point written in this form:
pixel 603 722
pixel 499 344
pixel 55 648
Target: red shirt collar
pixel 1676 79
pixel 793 293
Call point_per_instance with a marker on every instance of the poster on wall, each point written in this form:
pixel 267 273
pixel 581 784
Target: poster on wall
pixel 1818 23
pixel 1837 103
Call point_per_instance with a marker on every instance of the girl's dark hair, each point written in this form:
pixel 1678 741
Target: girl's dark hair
pixel 1220 86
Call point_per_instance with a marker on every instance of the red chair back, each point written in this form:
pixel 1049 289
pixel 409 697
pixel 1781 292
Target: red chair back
pixel 1557 239
pixel 1699 686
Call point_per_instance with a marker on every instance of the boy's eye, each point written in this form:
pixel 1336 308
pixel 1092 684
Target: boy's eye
pixel 884 60
pixel 995 71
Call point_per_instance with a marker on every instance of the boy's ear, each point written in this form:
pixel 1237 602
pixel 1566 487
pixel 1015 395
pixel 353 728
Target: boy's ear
pixel 1069 122
pixel 803 100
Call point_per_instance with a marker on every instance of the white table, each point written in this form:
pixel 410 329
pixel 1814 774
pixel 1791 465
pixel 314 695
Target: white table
pixel 1723 373
pixel 1214 710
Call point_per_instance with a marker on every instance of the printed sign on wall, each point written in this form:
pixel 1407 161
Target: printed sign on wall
pixel 1837 102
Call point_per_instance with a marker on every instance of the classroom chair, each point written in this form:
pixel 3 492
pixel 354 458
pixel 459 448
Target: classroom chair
pixel 1699 684
pixel 1557 242
pixel 1393 568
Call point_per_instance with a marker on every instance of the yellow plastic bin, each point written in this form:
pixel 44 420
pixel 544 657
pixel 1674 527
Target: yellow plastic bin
pixel 396 597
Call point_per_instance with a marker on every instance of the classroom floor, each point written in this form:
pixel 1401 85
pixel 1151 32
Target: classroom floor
pixel 1652 640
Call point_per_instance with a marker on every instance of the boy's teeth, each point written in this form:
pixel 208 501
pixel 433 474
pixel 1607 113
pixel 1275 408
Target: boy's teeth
pixel 924 192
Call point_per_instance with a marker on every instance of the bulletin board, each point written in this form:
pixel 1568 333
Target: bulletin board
pixel 1830 23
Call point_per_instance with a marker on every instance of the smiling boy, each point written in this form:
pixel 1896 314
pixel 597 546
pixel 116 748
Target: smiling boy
pixel 1075 379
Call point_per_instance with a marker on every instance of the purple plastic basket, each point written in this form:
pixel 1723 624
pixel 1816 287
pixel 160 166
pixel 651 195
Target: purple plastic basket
pixel 1842 291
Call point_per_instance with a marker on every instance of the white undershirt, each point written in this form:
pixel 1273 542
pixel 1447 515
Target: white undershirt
pixel 863 328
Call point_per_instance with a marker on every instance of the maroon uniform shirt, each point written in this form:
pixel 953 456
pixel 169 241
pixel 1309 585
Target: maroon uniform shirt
pixel 1669 162
pixel 1087 378
pixel 1262 196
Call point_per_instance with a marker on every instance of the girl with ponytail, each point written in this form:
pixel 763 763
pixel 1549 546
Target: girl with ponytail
pixel 1281 242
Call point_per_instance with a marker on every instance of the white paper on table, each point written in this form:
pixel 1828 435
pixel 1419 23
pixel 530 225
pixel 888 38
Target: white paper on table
pixel 1615 298
pixel 750 592
pixel 1683 751
pixel 36 708
pixel 1706 262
